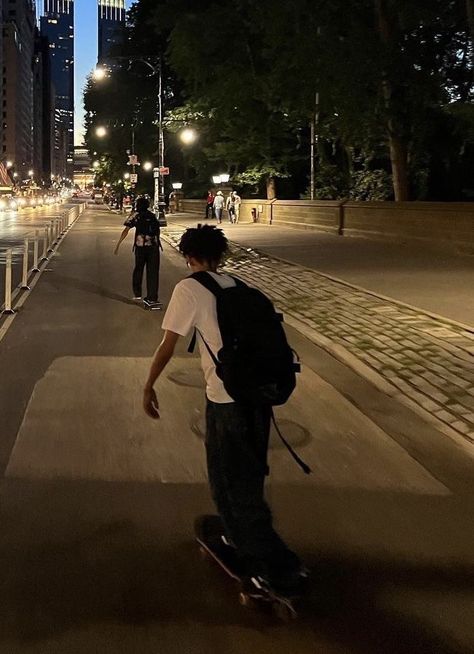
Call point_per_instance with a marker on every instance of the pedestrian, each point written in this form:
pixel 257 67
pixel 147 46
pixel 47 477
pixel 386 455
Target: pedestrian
pixel 146 247
pixel 237 432
pixel 210 204
pixel 172 202
pixel 218 206
pixel 229 205
pixel 237 203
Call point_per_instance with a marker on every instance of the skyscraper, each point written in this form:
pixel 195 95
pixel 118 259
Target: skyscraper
pixel 111 27
pixel 17 83
pixel 57 25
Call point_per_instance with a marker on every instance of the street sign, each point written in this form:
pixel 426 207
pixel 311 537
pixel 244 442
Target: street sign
pixel 133 160
pixel 133 178
pixel 164 171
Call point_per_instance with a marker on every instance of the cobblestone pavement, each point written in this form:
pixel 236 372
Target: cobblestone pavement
pixel 429 360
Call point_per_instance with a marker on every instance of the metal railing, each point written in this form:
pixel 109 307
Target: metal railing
pixel 45 240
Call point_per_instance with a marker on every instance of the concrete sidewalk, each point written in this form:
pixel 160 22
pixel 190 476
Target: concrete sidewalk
pixel 97 501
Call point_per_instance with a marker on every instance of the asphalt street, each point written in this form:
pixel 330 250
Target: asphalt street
pixel 97 501
pixel 15 226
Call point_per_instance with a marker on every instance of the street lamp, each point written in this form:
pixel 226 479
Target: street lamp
pixel 9 164
pixel 177 186
pixel 99 74
pixel 126 176
pixel 147 166
pixel 221 179
pixel 188 136
pixel 96 164
pixel 101 132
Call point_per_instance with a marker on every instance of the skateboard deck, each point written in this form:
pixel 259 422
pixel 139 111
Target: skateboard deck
pixel 209 530
pixel 152 306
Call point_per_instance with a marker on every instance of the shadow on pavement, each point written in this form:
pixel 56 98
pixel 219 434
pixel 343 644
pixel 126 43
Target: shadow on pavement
pixel 98 572
pixel 96 289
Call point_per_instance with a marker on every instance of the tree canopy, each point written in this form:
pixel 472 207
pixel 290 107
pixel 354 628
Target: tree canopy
pixel 393 80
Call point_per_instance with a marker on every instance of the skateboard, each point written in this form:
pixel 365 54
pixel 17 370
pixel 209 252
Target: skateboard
pixel 152 306
pixel 209 535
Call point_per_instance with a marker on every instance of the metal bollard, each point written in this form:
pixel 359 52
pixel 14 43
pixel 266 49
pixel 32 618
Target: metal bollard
pixel 50 237
pixel 8 283
pixel 24 278
pixel 45 244
pixel 36 251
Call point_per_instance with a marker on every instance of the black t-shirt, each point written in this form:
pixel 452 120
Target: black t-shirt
pixel 147 229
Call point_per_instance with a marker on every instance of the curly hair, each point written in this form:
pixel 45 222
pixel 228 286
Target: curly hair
pixel 205 243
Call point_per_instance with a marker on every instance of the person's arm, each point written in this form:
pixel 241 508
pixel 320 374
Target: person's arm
pixel 162 356
pixel 123 236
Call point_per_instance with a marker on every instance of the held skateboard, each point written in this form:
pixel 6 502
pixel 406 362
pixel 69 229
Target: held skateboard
pixel 210 537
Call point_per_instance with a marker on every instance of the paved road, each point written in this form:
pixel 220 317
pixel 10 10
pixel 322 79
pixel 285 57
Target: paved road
pixel 97 502
pixel 14 228
pixel 440 283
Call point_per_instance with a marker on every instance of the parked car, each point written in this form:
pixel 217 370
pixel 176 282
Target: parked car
pixel 98 198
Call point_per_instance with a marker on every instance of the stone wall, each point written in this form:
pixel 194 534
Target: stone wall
pixel 440 223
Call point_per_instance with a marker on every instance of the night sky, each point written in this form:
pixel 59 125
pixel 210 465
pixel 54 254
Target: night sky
pixel 86 52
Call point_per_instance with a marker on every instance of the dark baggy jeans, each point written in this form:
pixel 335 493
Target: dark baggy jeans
pixel 236 445
pixel 149 257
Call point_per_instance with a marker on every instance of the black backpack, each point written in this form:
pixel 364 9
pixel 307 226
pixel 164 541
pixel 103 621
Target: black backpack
pixel 147 224
pixel 255 363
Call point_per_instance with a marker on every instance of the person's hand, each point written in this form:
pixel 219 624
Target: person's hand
pixel 150 403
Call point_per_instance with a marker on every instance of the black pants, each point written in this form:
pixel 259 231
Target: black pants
pixel 236 446
pixel 149 257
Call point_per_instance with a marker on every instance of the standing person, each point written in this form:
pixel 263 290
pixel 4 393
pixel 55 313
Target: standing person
pixel 210 204
pixel 237 203
pixel 236 433
pixel 146 247
pixel 172 202
pixel 229 205
pixel 219 206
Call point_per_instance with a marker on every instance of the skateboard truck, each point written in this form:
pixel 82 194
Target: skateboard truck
pixel 152 306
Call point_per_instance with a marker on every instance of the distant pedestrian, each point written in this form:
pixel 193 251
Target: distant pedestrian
pixel 172 202
pixel 237 203
pixel 230 206
pixel 210 204
pixel 146 247
pixel 219 206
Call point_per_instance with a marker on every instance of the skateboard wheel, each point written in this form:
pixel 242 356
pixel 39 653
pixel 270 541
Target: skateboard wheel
pixel 247 601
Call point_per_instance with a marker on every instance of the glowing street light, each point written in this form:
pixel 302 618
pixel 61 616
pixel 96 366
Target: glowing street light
pixel 101 132
pixel 177 186
pixel 9 164
pixel 31 173
pixel 96 164
pixel 147 166
pixel 221 179
pixel 126 176
pixel 188 136
pixel 99 74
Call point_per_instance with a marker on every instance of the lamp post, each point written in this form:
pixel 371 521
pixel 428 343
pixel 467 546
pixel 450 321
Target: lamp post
pixel 156 70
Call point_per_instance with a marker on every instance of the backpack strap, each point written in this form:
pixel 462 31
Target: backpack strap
pixel 304 467
pixel 208 281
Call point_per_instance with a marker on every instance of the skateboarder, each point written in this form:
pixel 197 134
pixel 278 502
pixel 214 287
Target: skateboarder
pixel 147 251
pixel 236 434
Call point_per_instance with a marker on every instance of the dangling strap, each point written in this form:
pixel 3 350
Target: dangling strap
pixel 192 345
pixel 304 467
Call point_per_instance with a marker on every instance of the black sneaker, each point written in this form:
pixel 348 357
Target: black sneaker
pixel 256 587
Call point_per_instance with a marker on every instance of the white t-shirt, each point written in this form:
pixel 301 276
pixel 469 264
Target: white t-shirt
pixel 193 306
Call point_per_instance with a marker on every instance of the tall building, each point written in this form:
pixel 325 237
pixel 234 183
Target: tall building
pixel 57 25
pixel 19 21
pixel 111 27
